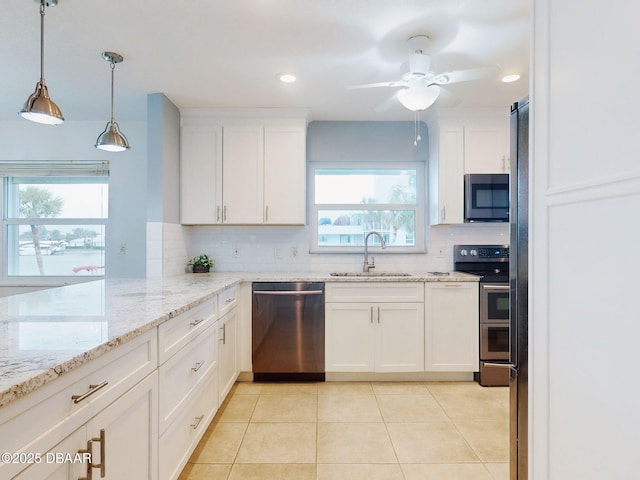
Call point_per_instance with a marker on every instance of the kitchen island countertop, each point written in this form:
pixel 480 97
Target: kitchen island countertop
pixel 47 333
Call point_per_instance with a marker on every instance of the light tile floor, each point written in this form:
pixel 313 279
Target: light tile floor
pixel 352 431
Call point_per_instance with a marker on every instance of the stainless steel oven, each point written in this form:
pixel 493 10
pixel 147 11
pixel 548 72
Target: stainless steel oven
pixel 491 263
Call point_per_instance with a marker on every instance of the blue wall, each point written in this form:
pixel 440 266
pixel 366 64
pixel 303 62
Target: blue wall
pixel 366 142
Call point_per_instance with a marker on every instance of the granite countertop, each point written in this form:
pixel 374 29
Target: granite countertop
pixel 46 333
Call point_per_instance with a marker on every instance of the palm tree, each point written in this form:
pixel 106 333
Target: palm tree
pixel 38 202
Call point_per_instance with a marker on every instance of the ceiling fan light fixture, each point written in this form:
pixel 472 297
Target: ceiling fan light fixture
pixel 39 107
pixel 418 98
pixel 112 140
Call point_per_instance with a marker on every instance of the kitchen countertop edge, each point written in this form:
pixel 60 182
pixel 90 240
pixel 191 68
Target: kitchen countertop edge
pixel 201 287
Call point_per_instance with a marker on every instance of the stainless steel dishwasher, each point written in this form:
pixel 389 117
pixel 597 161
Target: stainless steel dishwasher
pixel 288 331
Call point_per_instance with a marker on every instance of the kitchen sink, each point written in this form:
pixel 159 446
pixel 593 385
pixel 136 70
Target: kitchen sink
pixel 370 274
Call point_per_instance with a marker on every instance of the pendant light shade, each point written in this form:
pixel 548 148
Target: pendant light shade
pixel 39 107
pixel 112 140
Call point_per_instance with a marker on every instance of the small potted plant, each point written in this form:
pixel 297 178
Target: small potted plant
pixel 201 263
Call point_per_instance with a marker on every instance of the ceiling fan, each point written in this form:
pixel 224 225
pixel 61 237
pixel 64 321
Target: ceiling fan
pixel 420 86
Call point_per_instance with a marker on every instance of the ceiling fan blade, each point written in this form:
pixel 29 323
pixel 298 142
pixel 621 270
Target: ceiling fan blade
pixel 398 83
pixel 456 76
pixel 387 104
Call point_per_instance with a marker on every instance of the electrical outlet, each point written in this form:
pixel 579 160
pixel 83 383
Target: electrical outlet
pixel 123 248
pixel 277 253
pixel 294 252
pixel 235 251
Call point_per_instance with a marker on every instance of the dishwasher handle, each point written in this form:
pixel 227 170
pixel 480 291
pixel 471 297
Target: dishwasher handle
pixel 288 292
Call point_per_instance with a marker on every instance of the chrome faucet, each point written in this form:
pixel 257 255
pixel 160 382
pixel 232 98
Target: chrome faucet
pixel 369 265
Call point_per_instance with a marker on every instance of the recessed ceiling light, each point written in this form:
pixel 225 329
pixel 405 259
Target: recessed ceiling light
pixel 288 78
pixel 511 78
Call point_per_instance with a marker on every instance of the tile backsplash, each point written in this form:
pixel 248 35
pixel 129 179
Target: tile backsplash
pixel 287 249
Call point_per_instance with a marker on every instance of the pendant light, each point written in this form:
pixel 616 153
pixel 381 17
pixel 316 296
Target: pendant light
pixel 111 139
pixel 39 107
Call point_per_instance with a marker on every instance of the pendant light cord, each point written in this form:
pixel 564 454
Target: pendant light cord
pixel 42 41
pixel 113 69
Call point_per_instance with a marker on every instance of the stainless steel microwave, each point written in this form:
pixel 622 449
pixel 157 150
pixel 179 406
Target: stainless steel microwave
pixel 486 197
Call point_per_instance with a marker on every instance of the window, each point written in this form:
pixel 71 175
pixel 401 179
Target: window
pixel 350 200
pixel 53 225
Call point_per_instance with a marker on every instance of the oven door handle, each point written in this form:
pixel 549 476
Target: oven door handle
pixel 499 365
pixel 495 287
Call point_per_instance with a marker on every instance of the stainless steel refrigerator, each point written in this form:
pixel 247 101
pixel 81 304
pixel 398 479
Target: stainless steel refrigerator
pixel 518 293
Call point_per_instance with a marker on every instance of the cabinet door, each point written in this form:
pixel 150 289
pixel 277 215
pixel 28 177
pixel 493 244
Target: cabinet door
pixel 452 329
pixel 130 442
pixel 349 341
pixel 242 173
pixel 52 468
pixel 285 175
pixel 447 194
pixel 399 337
pixel 486 147
pixel 130 426
pixel 228 352
pixel 201 175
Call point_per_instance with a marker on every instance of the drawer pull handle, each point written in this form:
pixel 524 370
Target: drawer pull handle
pixel 224 334
pixel 92 389
pixel 229 300
pixel 197 422
pixel 197 322
pixel 198 366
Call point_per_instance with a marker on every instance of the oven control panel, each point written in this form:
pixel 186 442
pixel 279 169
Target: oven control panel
pixel 481 253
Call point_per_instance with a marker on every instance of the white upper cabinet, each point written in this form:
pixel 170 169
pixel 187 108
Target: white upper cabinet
pixel 486 145
pixel 242 174
pixel 239 170
pixel 446 173
pixel 460 144
pixel 285 175
pixel 201 174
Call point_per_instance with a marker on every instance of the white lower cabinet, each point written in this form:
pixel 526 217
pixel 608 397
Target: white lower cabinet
pixel 380 334
pixel 379 337
pixel 228 352
pixel 451 327
pixel 188 399
pixel 121 442
pixel 180 439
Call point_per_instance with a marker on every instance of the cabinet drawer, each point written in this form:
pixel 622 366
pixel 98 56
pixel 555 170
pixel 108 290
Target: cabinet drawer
pixel 41 419
pixel 374 292
pixel 228 299
pixel 180 375
pixel 177 332
pixel 181 437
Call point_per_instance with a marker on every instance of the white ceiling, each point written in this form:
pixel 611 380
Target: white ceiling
pixel 230 53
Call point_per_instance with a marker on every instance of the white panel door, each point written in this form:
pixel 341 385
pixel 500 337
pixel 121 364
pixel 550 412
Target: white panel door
pixel 584 314
pixel 130 438
pixel 228 352
pixel 486 147
pixel 242 173
pixel 200 175
pixel 285 180
pixel 399 337
pixel 349 341
pixel 449 189
pixel 451 327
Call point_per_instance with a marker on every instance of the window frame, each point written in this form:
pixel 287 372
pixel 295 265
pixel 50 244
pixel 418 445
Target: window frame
pixel 67 175
pixel 419 207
